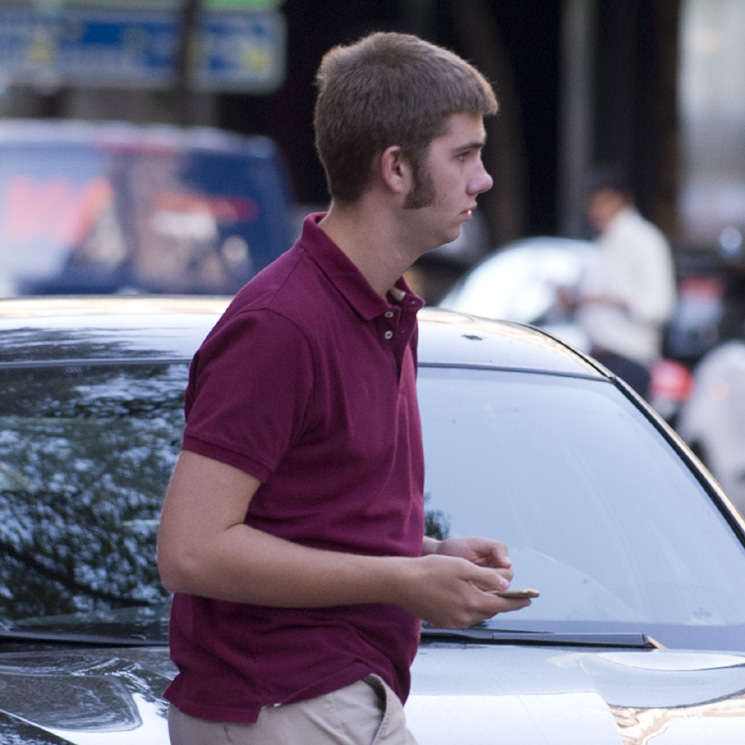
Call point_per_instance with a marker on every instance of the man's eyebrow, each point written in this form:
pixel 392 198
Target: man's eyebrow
pixel 474 145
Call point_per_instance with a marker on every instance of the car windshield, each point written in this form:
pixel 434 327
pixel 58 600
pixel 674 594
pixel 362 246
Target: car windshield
pixel 599 512
pixel 85 456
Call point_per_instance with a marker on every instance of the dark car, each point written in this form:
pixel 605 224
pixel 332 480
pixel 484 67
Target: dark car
pixel 639 629
pixel 101 207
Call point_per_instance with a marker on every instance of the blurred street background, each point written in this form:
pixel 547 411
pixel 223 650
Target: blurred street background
pixel 657 86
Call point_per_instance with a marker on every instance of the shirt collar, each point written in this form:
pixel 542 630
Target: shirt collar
pixel 347 278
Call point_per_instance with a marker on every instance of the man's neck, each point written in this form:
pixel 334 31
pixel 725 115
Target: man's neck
pixel 370 243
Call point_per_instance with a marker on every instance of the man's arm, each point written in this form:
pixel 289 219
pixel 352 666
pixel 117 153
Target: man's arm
pixel 204 548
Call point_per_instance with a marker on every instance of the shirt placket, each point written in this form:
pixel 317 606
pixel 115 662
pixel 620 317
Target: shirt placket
pixel 397 328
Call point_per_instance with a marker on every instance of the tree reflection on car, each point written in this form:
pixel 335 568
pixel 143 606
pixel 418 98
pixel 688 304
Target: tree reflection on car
pixel 84 455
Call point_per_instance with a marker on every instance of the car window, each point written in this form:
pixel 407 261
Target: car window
pixel 85 455
pixel 599 512
pixel 99 218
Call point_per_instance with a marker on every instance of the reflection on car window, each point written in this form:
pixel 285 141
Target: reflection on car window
pixel 85 455
pixel 599 513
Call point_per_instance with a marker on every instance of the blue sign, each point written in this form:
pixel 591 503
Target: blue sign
pixel 232 50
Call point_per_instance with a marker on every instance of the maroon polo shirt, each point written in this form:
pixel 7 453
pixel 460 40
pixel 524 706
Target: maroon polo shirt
pixel 308 383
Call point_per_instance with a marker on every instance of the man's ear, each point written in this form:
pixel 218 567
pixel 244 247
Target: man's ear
pixel 395 170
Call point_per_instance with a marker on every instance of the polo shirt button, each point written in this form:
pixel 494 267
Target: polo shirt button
pixel 389 314
pixel 388 334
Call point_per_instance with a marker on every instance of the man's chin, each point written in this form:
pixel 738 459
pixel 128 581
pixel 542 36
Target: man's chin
pixel 448 238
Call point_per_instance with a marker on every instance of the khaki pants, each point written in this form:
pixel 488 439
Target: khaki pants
pixel 367 712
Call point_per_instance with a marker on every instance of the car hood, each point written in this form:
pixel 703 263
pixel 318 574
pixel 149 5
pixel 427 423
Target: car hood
pixel 510 695
pixel 531 695
pixel 84 696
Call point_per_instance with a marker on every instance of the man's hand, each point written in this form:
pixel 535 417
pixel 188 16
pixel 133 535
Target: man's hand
pixel 480 551
pixel 455 579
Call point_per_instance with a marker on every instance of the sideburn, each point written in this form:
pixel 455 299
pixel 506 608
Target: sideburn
pixel 422 192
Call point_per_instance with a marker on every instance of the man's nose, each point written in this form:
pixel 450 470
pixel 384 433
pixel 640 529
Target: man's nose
pixel 481 181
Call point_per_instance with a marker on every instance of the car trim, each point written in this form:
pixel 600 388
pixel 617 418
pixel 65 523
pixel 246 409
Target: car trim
pixel 94 362
pixel 544 638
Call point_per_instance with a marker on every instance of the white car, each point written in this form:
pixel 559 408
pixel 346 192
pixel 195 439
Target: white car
pixel 521 281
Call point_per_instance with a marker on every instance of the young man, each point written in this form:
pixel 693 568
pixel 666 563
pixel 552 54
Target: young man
pixel 628 294
pixel 292 530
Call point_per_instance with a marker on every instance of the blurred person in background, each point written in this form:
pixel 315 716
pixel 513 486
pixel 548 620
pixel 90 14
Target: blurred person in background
pixel 627 296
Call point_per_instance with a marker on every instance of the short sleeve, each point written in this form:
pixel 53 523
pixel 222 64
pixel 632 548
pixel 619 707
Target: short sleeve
pixel 249 391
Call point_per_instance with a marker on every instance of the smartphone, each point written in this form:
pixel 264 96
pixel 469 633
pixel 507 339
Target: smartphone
pixel 517 594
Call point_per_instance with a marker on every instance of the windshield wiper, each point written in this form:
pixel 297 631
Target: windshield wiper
pixel 94 640
pixel 512 636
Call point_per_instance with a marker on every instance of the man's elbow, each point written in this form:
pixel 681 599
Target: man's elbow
pixel 177 571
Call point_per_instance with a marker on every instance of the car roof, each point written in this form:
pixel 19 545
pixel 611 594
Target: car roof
pixel 448 338
pixel 123 134
pixel 48 330
pixel 44 330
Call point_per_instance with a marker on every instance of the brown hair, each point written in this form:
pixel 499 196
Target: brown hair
pixel 388 89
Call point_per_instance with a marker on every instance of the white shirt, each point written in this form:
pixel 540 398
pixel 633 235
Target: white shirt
pixel 633 266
